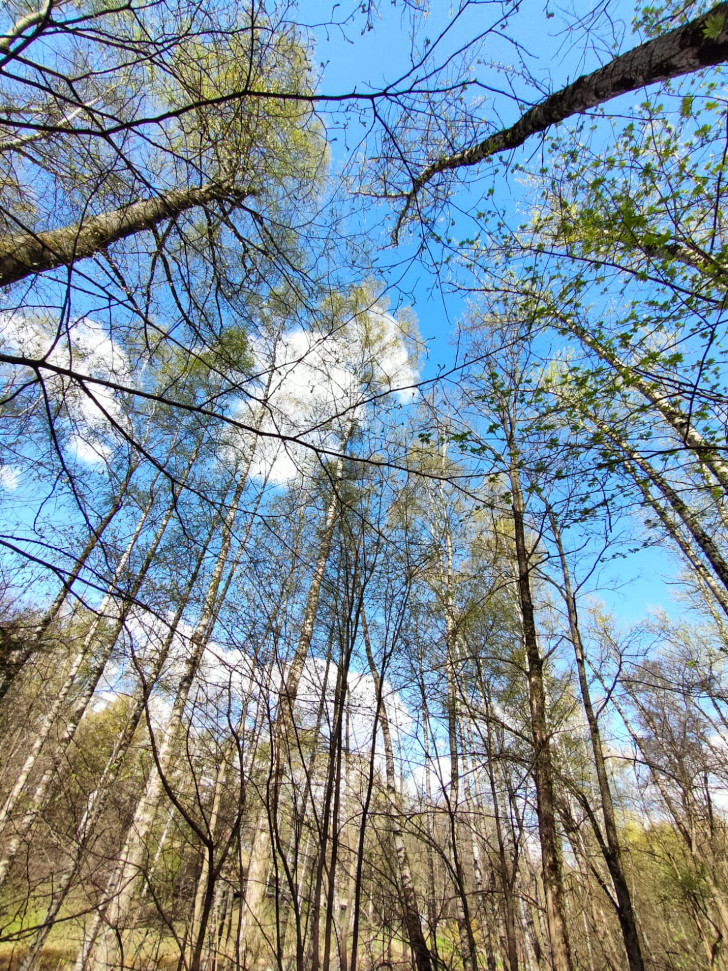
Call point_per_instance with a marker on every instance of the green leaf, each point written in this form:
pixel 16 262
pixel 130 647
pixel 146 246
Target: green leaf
pixel 713 27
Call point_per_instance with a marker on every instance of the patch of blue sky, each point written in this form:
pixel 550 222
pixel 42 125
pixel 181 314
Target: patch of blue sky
pixel 367 53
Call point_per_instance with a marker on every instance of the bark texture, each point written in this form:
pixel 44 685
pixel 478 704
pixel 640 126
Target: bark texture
pixel 123 883
pixel 13 660
pixel 612 850
pixel 662 399
pixel 27 253
pixel 413 925
pixel 642 471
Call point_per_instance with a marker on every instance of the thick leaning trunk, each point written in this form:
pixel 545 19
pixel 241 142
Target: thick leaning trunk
pixel 613 858
pixel 413 925
pixel 26 253
pixel 551 864
pixel 123 881
pixel 97 800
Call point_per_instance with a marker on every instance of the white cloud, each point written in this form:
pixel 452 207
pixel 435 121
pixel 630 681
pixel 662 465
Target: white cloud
pixel 319 384
pixel 9 478
pixel 83 346
pixel 84 342
pixel 91 452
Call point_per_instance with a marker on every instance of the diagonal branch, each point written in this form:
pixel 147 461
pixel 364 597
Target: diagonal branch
pixel 26 253
pixel 701 43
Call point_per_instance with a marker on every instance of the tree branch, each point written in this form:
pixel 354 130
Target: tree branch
pixel 26 253
pixel 701 43
pixel 32 19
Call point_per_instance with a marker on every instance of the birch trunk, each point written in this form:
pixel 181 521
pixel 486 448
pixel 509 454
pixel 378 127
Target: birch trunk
pixel 261 849
pixel 613 858
pixel 431 906
pixel 477 814
pixel 97 799
pixel 465 928
pixel 210 868
pixel 412 922
pixel 687 49
pixel 710 586
pixel 506 873
pixel 551 865
pixel 123 881
pixel 15 660
pixel 22 827
pixel 441 529
pixel 663 401
pixel 689 518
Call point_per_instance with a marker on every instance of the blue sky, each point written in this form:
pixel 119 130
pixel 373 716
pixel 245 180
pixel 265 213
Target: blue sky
pixel 353 58
pixel 356 58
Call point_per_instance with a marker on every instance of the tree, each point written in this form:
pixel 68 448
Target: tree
pixel 691 47
pixel 308 675
pixel 613 856
pixel 161 127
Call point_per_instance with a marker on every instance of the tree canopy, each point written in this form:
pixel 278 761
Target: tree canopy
pixel 361 365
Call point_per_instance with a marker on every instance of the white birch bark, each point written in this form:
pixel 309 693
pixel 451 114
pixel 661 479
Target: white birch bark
pixel 261 850
pixel 22 826
pixel 123 881
pixel 412 920
pixel 16 659
pixel 96 801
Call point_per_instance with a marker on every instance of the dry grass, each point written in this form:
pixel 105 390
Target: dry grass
pixel 52 957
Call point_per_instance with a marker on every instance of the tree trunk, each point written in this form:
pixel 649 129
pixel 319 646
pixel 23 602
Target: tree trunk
pixel 97 800
pixel 504 870
pixel 210 869
pixel 13 663
pixel 551 865
pixel 431 908
pixel 687 49
pixel 661 399
pixel 27 253
pixel 705 577
pixel 468 949
pixel 261 849
pixel 689 518
pixel 123 881
pixel 22 827
pixel 413 925
pixel 613 857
